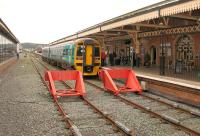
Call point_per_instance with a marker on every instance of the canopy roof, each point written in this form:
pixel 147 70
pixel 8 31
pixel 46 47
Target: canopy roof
pixel 6 31
pixel 163 15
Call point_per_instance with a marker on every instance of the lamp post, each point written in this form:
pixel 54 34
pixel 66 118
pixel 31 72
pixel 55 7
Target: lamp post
pixel 162 56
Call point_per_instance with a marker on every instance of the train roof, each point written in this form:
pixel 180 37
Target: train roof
pixel 85 39
pixel 81 40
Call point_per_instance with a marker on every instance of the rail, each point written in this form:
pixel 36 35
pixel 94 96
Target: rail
pixel 148 110
pixel 120 127
pixel 165 118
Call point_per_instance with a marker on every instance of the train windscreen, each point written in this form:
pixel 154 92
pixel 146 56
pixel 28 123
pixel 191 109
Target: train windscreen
pixel 96 52
pixel 79 52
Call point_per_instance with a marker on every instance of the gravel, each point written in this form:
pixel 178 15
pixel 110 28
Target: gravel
pixel 87 121
pixel 142 123
pixel 26 107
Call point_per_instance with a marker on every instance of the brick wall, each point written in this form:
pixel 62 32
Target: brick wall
pixel 148 43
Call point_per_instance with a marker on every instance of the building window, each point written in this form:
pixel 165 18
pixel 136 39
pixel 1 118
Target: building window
pixel 184 49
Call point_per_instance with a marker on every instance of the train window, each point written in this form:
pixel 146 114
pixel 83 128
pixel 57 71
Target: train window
pixel 96 52
pixel 64 52
pixel 79 53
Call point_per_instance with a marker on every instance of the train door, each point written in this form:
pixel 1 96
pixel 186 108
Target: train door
pixel 88 55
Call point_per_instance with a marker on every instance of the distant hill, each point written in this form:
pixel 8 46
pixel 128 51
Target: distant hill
pixel 32 45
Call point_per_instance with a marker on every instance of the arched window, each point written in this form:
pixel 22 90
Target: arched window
pixel 184 49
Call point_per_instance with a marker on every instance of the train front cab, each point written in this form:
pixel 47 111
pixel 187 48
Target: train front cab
pixel 88 59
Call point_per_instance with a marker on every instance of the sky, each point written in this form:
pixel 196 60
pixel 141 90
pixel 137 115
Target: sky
pixel 44 21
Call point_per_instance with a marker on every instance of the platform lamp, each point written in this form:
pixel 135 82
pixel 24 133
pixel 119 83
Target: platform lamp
pixel 162 56
pixel 83 54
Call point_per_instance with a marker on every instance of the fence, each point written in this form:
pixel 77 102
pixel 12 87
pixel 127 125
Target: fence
pixel 189 70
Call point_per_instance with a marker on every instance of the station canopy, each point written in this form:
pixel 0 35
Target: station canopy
pixel 6 31
pixel 169 17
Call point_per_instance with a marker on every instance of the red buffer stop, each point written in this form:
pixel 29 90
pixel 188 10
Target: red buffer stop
pixel 64 75
pixel 131 84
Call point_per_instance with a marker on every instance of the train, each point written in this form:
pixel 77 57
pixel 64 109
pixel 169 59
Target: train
pixel 82 54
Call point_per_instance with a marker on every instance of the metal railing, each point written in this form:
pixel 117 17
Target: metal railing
pixel 189 70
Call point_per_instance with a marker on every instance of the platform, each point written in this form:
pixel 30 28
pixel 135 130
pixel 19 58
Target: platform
pixel 26 107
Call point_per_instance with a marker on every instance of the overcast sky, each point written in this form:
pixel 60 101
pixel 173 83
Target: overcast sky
pixel 44 21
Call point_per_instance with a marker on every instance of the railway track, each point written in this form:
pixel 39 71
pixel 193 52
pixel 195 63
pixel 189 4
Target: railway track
pixel 82 117
pixel 128 112
pixel 183 119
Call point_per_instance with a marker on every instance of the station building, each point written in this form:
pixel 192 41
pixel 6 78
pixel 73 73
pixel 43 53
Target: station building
pixel 8 43
pixel 9 46
pixel 162 38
